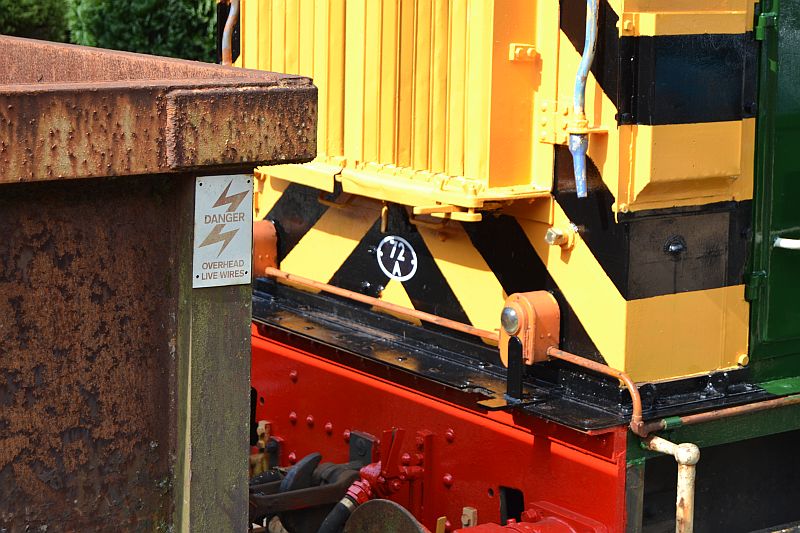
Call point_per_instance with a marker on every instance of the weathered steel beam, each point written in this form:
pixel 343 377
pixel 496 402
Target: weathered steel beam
pixel 124 392
pixel 206 118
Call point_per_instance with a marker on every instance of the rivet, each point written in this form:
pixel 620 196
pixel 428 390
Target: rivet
pixel 293 417
pixel 447 479
pixel 346 435
pixel 450 435
pixel 310 421
pixel 292 458
pixel 328 428
pixel 293 376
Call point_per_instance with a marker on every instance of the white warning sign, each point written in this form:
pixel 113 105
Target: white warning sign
pixel 223 230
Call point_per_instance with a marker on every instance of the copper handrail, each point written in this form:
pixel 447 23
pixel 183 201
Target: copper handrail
pixel 381 304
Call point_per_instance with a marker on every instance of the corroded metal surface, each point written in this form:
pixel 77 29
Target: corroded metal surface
pixel 101 422
pixel 117 114
pixel 87 337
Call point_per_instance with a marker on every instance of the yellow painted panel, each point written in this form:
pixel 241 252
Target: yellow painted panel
pixel 278 34
pixel 354 79
pixel 372 87
pixel 291 28
pixel 480 19
pixel 685 17
pixel 737 324
pixel 395 293
pixel 405 82
pixel 320 63
pixel 323 249
pixel 421 87
pixel 388 82
pixel 548 38
pixel 513 84
pixel 687 333
pixel 474 284
pixel 334 102
pixel 306 37
pixel 688 23
pixel 267 192
pixel 456 87
pixel 692 161
pixel 438 75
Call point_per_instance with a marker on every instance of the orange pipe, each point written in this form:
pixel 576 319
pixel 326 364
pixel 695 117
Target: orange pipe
pixel 637 423
pixel 387 306
pixel 717 414
pixel 227 33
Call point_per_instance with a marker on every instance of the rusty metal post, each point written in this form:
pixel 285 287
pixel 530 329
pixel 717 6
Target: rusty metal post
pixel 124 392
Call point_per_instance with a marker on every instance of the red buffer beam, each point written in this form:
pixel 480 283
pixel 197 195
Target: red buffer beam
pixel 468 455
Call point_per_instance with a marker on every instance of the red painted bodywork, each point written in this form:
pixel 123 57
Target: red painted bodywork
pixel 312 404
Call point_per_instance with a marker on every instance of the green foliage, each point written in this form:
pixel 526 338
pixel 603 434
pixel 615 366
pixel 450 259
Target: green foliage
pixel 176 28
pixel 38 19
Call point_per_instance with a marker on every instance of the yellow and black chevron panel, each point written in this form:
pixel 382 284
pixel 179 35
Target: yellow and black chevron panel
pixel 627 298
pixel 668 142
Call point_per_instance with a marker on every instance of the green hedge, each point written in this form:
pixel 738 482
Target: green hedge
pixel 38 19
pixel 176 28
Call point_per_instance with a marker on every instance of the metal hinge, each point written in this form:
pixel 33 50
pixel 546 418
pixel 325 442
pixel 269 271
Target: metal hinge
pixel 765 20
pixel 753 284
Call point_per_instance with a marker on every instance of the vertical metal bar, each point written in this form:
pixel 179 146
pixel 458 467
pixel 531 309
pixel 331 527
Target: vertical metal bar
pixel 515 369
pixel 634 497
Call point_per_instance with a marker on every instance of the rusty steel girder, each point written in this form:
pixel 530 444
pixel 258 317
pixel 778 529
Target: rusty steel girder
pixel 100 427
pixel 73 112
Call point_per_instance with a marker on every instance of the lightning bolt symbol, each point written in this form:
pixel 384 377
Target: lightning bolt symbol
pixel 234 200
pixel 217 235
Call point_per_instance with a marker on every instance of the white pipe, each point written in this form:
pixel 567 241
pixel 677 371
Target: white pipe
pixel 786 244
pixel 687 456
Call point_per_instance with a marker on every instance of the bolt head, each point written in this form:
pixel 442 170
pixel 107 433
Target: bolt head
pixel 328 428
pixel 555 237
pixel 293 417
pixel 310 420
pixel 450 435
pixel 509 319
pixel 292 458
pixel 447 479
pixel 293 376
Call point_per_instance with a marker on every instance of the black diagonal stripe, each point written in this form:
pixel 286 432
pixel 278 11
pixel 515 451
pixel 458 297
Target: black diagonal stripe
pixel 360 271
pixel 295 212
pixel 655 79
pixel 428 290
pixel 506 249
pixel 633 250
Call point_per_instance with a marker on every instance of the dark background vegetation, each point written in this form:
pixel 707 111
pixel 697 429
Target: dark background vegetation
pixel 176 28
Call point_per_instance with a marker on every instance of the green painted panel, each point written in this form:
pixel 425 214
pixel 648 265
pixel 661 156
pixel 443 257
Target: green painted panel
pixel 775 282
pixel 723 431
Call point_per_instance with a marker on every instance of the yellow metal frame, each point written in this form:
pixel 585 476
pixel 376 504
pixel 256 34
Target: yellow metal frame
pixel 453 107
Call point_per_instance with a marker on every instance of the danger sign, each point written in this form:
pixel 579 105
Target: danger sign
pixel 223 230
